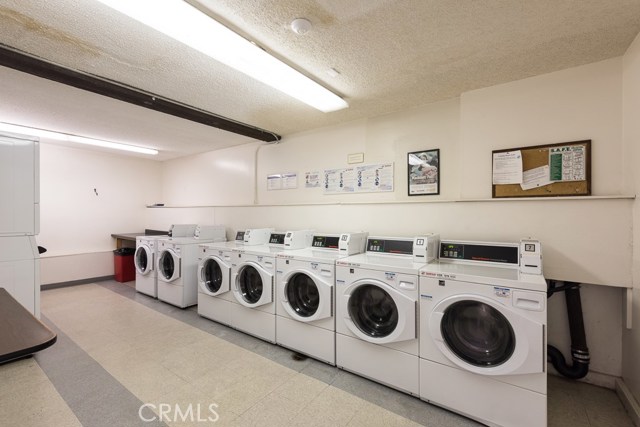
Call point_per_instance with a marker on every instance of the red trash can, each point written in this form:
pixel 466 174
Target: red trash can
pixel 123 265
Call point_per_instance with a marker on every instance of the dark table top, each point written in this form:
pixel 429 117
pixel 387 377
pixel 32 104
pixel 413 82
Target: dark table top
pixel 21 333
pixel 132 236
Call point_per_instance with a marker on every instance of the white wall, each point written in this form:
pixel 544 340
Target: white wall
pixel 631 133
pixel 76 221
pixel 580 103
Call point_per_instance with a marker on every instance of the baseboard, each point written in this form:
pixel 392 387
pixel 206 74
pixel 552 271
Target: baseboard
pixel 629 402
pixel 75 282
pixel 595 378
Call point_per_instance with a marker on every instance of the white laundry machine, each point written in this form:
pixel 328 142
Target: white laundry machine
pixel 178 265
pixel 252 283
pixel 483 332
pixel 305 294
pixel 146 255
pixel 215 299
pixel 377 310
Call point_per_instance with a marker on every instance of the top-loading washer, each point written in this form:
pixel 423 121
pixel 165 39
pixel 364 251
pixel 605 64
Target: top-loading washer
pixel 377 310
pixel 483 332
pixel 178 265
pixel 215 298
pixel 252 283
pixel 305 288
pixel 146 255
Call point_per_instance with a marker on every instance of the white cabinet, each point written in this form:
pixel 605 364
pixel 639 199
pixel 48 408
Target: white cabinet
pixel 19 185
pixel 20 270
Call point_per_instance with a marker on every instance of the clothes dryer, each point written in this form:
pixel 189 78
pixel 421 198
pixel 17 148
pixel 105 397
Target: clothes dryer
pixel 252 283
pixel 305 288
pixel 146 256
pixel 483 332
pixel 178 265
pixel 215 299
pixel 377 310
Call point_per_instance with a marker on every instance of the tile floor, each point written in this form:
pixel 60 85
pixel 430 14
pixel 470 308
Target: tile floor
pixel 118 350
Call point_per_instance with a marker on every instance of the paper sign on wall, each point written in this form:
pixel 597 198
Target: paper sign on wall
pixel 282 181
pixel 507 167
pixel 361 179
pixel 312 179
pixel 567 163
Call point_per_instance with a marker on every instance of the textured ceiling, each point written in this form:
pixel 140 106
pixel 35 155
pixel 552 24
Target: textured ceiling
pixel 391 54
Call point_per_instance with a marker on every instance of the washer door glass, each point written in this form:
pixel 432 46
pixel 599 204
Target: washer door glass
pixel 167 266
pixel 141 259
pixel 373 311
pixel 250 284
pixel 478 333
pixel 303 295
pixel 212 275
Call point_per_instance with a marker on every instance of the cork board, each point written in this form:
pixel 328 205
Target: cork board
pixel 563 184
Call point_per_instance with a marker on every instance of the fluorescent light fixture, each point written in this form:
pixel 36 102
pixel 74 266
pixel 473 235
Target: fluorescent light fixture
pixel 26 130
pixel 186 24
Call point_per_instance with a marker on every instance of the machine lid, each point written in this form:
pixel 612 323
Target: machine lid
pixel 303 295
pixel 478 333
pixel 168 265
pixel 373 311
pixel 212 276
pixel 250 285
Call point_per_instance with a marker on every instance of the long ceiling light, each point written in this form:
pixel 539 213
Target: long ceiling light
pixel 59 136
pixel 186 24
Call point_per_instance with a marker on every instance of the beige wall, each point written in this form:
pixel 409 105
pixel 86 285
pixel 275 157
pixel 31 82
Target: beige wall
pixel 631 135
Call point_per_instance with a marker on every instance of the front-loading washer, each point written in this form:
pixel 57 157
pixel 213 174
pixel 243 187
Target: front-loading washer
pixel 305 294
pixel 215 298
pixel 483 332
pixel 377 310
pixel 146 255
pixel 252 283
pixel 178 264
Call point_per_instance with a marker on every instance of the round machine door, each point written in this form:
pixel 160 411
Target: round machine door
pixel 143 259
pixel 378 313
pixel 253 285
pixel 305 296
pixel 213 275
pixel 169 265
pixel 485 337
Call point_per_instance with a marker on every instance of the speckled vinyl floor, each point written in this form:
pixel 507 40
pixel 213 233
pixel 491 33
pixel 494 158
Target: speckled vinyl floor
pixel 121 356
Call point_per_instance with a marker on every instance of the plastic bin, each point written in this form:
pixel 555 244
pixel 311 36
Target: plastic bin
pixel 124 268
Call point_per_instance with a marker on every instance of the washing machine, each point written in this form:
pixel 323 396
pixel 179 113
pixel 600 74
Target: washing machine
pixel 252 283
pixel 377 310
pixel 305 294
pixel 146 255
pixel 483 317
pixel 215 298
pixel 177 265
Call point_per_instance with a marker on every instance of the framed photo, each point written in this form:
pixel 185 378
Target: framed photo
pixel 423 172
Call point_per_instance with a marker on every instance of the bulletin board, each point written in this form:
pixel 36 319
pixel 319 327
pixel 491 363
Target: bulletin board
pixel 568 165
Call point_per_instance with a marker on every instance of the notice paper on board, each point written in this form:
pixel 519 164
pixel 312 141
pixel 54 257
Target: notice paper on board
pixel 507 167
pixel 568 163
pixel 536 177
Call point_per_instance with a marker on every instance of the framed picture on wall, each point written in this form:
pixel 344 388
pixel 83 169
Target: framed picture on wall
pixel 423 172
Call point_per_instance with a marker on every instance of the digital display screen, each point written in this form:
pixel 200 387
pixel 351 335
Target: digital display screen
pixel 390 246
pixel 325 242
pixel 488 253
pixel 528 247
pixel 240 235
pixel 277 238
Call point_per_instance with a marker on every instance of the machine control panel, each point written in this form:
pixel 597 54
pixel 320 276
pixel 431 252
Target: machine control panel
pixel 390 246
pixel 240 236
pixel 182 230
pixel 326 242
pixel 277 238
pixel 499 253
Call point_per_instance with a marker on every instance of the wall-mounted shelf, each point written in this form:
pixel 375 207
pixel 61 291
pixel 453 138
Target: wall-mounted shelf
pixel 413 202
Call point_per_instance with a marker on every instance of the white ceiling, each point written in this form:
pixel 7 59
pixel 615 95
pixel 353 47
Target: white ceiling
pixel 391 55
